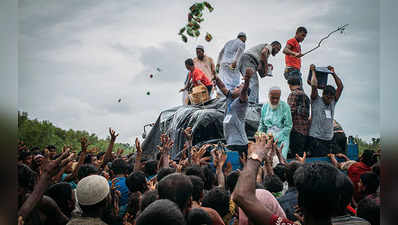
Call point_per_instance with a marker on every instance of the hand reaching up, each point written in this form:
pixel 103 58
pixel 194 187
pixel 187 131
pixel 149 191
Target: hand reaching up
pixel 301 159
pixel 113 134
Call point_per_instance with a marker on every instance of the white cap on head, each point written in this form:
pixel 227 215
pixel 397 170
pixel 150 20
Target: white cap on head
pixel 241 34
pixel 92 190
pixel 274 88
pixel 200 47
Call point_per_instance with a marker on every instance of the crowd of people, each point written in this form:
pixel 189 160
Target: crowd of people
pixel 199 188
pixel 86 187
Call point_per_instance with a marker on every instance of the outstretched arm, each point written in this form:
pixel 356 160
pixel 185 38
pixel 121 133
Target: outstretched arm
pixel 220 55
pixel 339 84
pixel 221 85
pixel 314 83
pixel 245 191
pixel 264 57
pixel 108 153
pixel 244 92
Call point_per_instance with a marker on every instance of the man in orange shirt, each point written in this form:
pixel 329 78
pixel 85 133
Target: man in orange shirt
pixel 196 77
pixel 293 55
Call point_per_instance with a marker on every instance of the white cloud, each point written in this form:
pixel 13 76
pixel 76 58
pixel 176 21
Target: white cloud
pixel 76 59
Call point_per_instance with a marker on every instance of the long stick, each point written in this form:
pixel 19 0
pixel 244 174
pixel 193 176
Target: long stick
pixel 342 28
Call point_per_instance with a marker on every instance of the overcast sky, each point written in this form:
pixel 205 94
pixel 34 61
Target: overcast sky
pixel 76 58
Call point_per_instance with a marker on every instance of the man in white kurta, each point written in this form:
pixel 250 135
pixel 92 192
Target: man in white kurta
pixel 228 60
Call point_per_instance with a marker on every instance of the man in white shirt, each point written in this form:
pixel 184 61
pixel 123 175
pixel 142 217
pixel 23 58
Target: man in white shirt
pixel 256 58
pixel 204 63
pixel 228 60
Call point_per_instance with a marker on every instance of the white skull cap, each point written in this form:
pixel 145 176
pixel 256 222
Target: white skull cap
pixel 275 88
pixel 92 190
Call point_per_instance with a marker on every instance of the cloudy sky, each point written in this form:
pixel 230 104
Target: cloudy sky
pixel 76 58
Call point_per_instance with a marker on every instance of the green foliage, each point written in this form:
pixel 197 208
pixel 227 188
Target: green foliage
pixel 375 144
pixel 36 133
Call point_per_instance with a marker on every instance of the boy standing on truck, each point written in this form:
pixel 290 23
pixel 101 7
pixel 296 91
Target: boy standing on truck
pixel 235 113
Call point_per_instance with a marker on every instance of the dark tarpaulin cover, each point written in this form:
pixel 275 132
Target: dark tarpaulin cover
pixel 205 120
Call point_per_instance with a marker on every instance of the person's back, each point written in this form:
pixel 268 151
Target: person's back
pixel 230 49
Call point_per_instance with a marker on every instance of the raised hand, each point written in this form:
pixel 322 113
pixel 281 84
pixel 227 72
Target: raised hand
pixel 113 134
pixel 301 159
pixel 188 133
pixel 243 159
pixel 138 146
pixel 151 185
pixel 84 144
pixel 52 167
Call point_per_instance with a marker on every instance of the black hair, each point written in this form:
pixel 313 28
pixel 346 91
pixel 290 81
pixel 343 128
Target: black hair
pixel 177 188
pixel 273 184
pixel 51 147
pixel 61 193
pixel 189 62
pixel 195 170
pixel 376 169
pixel 119 166
pixel 164 172
pixel 371 181
pixel 367 157
pixel 26 177
pixel 317 185
pixel 35 150
pixel 163 212
pixel 99 155
pixel 23 155
pixel 294 81
pixel 198 216
pixel 329 91
pixel 346 192
pixel 151 168
pixel 276 43
pixel 217 199
pixel 197 184
pixel 231 180
pixel 281 171
pixel 369 209
pixel 133 205
pixel 88 159
pixel 301 29
pixel 136 181
pixel 148 198
pixel 210 177
pixel 292 167
pixel 86 170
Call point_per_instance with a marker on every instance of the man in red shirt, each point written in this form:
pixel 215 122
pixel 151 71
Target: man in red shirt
pixel 196 77
pixel 293 54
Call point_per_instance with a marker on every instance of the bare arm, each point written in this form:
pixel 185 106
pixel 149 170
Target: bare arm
pixel 108 153
pixel 339 84
pixel 138 156
pixel 212 68
pixel 264 57
pixel 221 86
pixel 52 168
pixel 314 83
pixel 243 94
pixel 287 51
pixel 222 157
pixel 245 191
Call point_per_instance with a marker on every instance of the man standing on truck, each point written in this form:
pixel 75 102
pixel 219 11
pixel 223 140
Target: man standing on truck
pixel 228 60
pixel 276 119
pixel 235 113
pixel 293 55
pixel 256 58
pixel 204 63
pixel 196 77
pixel 322 114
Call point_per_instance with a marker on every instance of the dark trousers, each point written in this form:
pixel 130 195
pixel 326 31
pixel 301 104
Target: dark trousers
pixel 340 143
pixel 238 148
pixel 293 73
pixel 319 148
pixel 298 144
